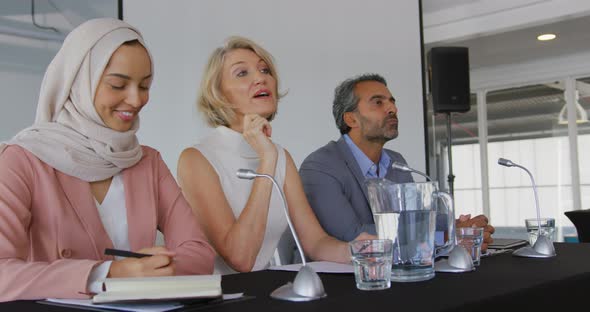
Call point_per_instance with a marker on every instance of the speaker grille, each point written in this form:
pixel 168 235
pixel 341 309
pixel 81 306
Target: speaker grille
pixel 448 73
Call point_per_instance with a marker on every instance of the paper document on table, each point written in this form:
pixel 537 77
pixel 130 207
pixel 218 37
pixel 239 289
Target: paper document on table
pixel 318 266
pixel 131 307
pixel 87 304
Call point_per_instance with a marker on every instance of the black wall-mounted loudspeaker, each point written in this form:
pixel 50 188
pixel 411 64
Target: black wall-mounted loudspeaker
pixel 448 73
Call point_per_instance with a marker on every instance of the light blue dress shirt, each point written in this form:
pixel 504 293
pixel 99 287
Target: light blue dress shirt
pixel 369 170
pixel 368 167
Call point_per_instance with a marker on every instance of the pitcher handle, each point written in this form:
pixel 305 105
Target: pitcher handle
pixel 450 208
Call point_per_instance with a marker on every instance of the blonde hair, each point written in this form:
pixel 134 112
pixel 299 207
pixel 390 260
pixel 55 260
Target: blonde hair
pixel 211 102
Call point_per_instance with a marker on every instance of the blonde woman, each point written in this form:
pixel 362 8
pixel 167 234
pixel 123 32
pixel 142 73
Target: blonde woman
pixel 244 219
pixel 77 181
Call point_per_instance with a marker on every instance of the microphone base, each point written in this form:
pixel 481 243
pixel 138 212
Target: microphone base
pixel 286 293
pixel 459 261
pixel 443 266
pixel 529 252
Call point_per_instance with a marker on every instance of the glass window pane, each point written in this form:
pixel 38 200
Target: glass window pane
pixel 465 155
pixel 583 104
pixel 523 126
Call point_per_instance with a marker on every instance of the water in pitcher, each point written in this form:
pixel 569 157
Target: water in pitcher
pixel 387 225
pixel 413 242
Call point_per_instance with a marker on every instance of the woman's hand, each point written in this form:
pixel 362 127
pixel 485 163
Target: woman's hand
pixel 160 264
pixel 257 132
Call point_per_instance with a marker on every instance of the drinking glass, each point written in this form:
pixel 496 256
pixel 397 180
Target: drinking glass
pixel 371 259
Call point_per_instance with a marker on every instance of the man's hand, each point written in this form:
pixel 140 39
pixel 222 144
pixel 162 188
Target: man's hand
pixel 478 221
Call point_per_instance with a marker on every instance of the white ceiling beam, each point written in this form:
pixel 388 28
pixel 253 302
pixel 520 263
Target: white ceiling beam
pixel 489 17
pixel 527 73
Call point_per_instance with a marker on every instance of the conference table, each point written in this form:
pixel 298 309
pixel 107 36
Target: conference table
pixel 501 282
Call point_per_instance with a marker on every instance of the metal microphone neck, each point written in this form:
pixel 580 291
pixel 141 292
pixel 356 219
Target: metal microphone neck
pixel 508 163
pixel 249 175
pixel 544 246
pixel 307 284
pixel 405 168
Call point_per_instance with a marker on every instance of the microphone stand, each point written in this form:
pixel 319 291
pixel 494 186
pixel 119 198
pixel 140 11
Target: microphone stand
pixel 450 177
pixel 459 259
pixel 543 247
pixel 307 285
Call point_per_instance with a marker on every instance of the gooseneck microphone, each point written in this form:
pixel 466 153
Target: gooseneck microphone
pixel 250 175
pixel 459 259
pixel 507 163
pixel 405 168
pixel 543 247
pixel 307 284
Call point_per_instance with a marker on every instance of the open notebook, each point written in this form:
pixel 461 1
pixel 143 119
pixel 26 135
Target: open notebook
pixel 159 288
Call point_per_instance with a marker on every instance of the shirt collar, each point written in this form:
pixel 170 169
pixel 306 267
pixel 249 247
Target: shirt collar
pixel 368 167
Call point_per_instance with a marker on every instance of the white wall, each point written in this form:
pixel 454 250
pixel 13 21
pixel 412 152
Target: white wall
pixel 18 108
pixel 316 44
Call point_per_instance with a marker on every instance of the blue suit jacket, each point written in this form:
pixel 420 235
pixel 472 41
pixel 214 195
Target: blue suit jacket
pixel 336 190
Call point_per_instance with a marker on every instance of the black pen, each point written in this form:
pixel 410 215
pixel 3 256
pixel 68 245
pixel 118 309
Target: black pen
pixel 124 253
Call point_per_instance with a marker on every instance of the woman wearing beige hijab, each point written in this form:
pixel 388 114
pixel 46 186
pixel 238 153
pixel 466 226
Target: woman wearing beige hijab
pixel 77 181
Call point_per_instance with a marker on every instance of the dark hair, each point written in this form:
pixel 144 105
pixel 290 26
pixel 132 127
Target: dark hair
pixel 132 42
pixel 346 101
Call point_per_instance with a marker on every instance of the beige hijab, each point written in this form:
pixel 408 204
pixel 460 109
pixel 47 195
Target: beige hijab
pixel 68 134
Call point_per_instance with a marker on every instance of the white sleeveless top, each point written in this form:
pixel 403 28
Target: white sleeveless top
pixel 227 151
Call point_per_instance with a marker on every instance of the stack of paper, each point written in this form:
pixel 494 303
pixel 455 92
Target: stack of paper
pixel 87 304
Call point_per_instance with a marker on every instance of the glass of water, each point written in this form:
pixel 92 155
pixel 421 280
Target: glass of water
pixel 547 229
pixel 471 238
pixel 371 259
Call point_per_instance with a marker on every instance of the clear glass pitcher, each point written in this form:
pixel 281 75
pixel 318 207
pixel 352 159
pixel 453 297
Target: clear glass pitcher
pixel 407 213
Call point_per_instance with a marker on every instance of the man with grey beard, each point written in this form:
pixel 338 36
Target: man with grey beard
pixel 334 176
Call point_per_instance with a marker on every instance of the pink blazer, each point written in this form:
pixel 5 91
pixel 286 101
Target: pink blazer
pixel 51 235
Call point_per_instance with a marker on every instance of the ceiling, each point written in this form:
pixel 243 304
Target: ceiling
pixel 524 112
pixel 517 46
pixel 430 6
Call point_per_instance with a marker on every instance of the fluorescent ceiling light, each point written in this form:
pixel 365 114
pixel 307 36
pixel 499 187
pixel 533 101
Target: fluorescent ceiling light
pixel 546 37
